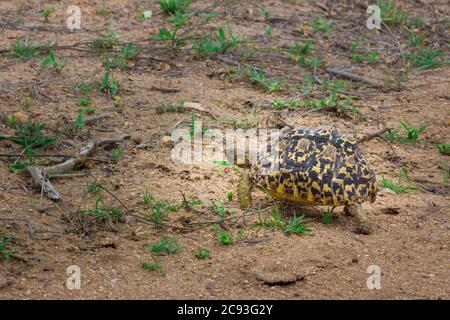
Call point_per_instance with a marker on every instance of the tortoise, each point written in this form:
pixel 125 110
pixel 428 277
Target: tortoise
pixel 316 166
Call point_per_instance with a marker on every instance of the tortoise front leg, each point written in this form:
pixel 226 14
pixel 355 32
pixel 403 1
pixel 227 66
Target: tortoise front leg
pixel 244 190
pixel 355 210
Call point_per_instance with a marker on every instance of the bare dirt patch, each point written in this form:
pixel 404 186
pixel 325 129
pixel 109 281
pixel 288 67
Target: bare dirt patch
pixel 255 77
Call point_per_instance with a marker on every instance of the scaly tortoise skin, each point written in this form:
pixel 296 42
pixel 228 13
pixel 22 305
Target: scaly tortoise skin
pixel 316 166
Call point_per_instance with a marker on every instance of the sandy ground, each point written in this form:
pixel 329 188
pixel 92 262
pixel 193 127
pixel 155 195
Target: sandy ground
pixel 411 246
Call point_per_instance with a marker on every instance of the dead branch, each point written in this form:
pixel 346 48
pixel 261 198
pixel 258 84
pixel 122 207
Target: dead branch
pixel 40 174
pixel 373 135
pixel 354 77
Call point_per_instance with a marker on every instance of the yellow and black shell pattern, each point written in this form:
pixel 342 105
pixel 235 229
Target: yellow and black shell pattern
pixel 315 166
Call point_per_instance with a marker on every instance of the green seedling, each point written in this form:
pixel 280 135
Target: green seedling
pixel 219 208
pixel 398 187
pixel 106 41
pixel 94 187
pixel 31 138
pixel 10 120
pixel 295 225
pixel 202 254
pixel 230 195
pixel 411 134
pixel 159 208
pixel 327 217
pixel 117 154
pixel 171 7
pixel 225 237
pixel 218 43
pixel 425 59
pixel 443 148
pixel 170 107
pixel 167 245
pixel 103 212
pixel 4 253
pixel 46 12
pixel 154 265
pixel 109 84
pixel 390 13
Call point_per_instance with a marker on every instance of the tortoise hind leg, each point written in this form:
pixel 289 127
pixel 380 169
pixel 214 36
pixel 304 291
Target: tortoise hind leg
pixel 355 210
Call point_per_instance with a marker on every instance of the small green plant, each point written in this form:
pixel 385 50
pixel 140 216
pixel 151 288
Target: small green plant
pixel 170 107
pixel 167 245
pixel 54 63
pixel 225 237
pixel 218 43
pixel 219 208
pixel 154 265
pixel 23 49
pixel 265 12
pixel 398 187
pixel 46 12
pixel 79 121
pixel 259 78
pixel 109 84
pixel 29 135
pixel 117 154
pixel 103 10
pixel 104 213
pixel 10 121
pixel 94 187
pixel 230 195
pixel 424 58
pixel 390 12
pixel 295 225
pixel 4 253
pixel 299 54
pixel 105 41
pixel 320 25
pixel 171 7
pixel 411 134
pixel 202 254
pixel 443 148
pixel 159 208
pixel 327 217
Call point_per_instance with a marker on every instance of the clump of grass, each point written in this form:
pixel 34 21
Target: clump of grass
pixel 217 43
pixel 225 237
pixel 52 62
pixel 116 154
pixel 259 78
pixel 5 254
pixel 46 12
pixel 171 7
pixel 24 50
pixel 230 195
pixel 443 148
pixel 105 41
pixel 327 217
pixel 127 53
pixel 167 245
pixel 109 84
pixel 154 265
pixel 94 187
pixel 202 254
pixel 320 25
pixel 296 225
pixel 425 58
pixel 31 138
pixel 104 213
pixel 410 133
pixel 299 54
pixel 170 107
pixel 219 208
pixel 390 13
pixel 159 209
pixel 10 120
pixel 398 187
